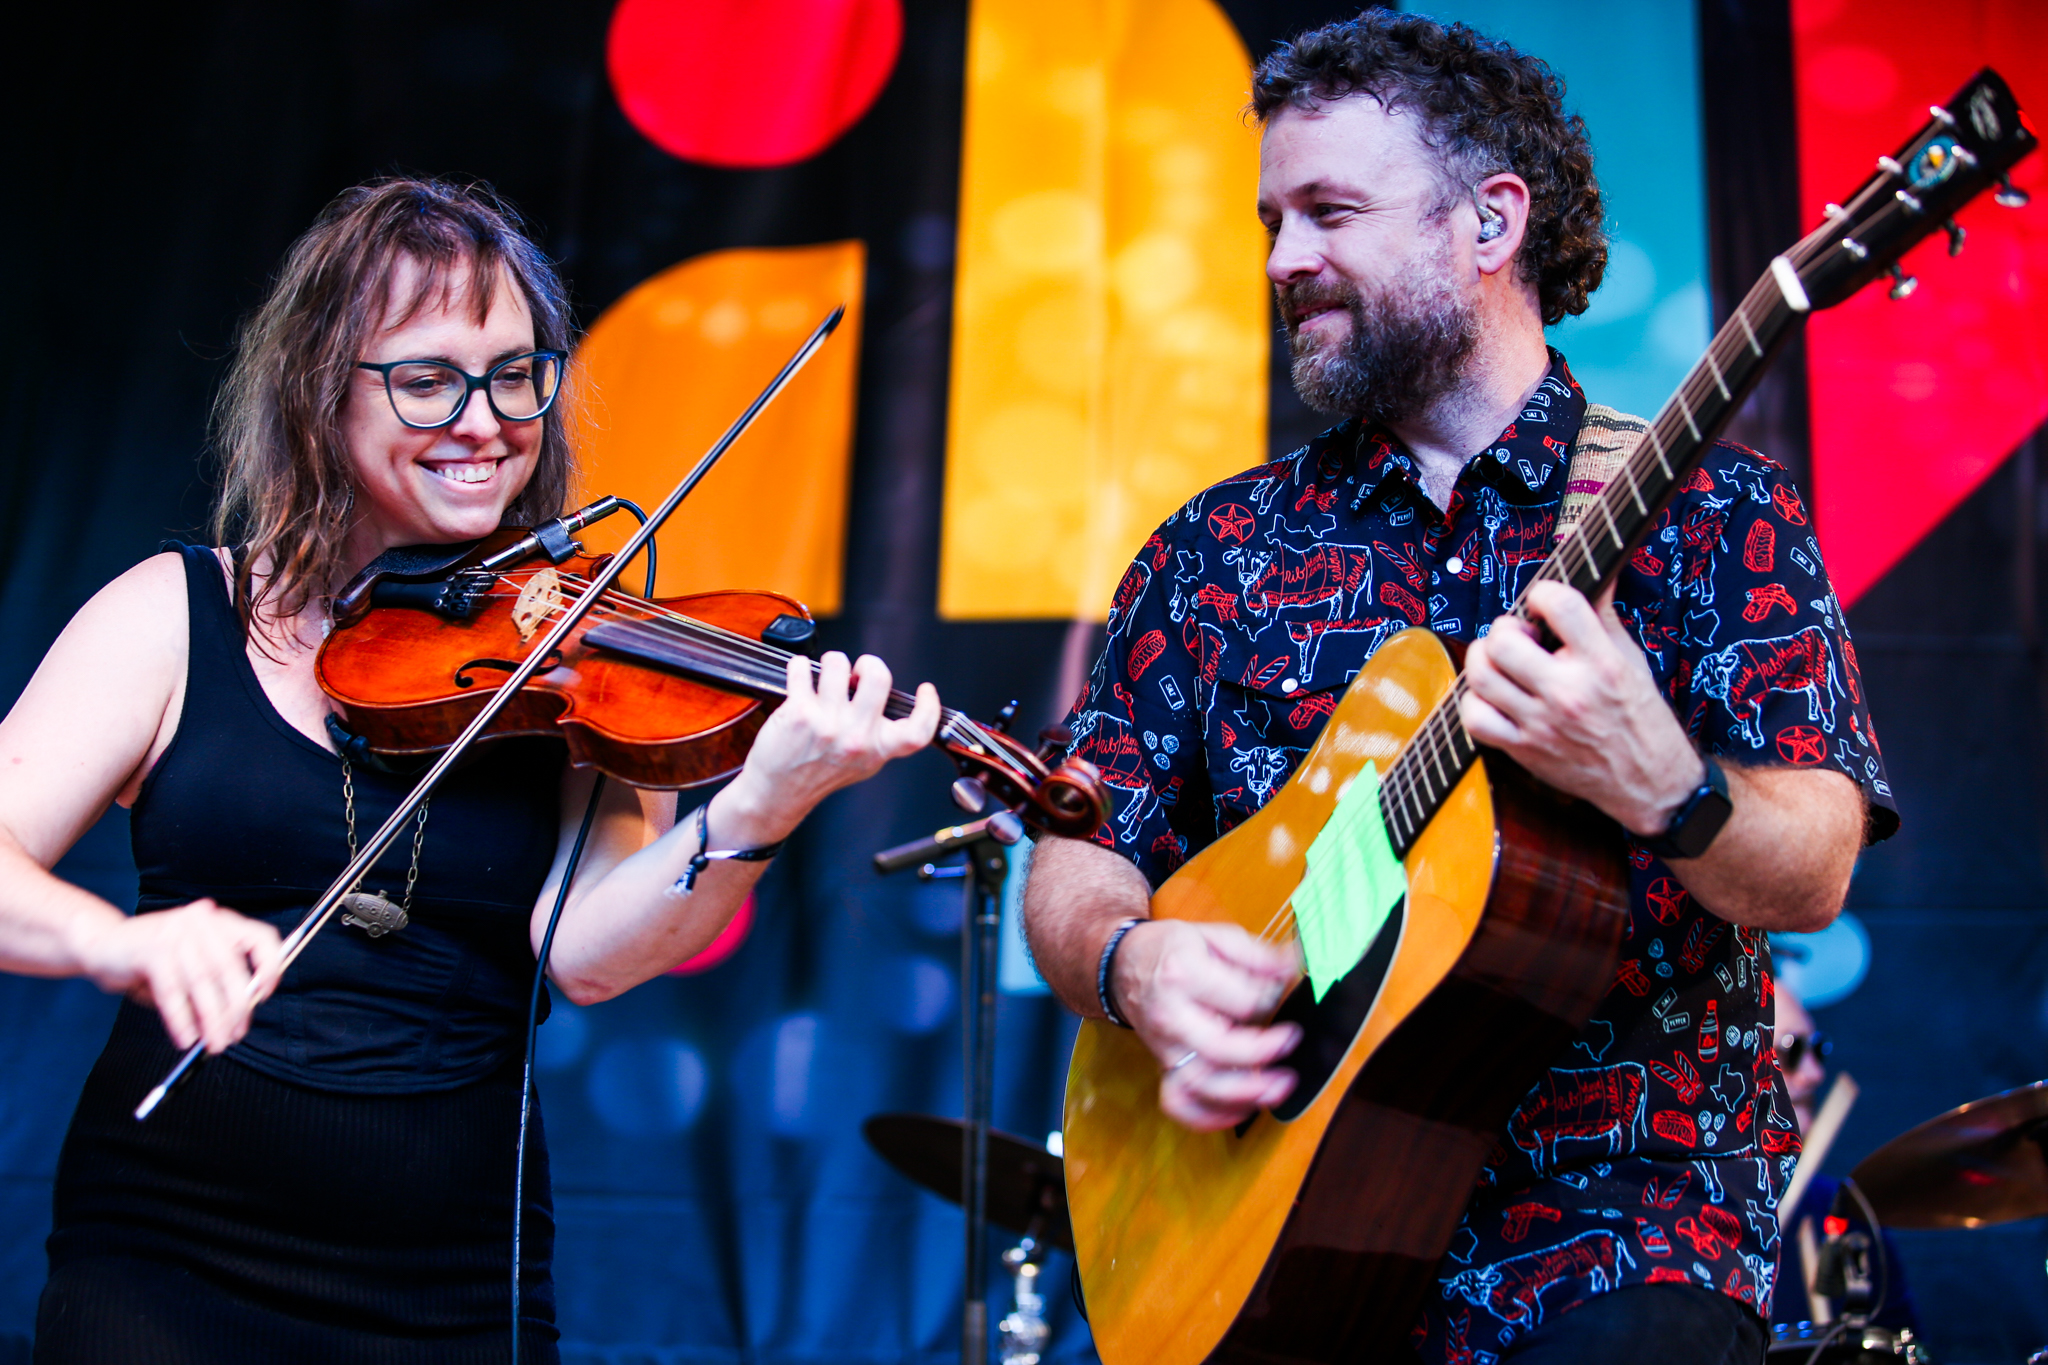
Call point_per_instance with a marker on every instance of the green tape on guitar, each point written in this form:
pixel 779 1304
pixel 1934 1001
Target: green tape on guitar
pixel 1353 882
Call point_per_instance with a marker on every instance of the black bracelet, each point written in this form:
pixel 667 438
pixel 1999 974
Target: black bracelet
pixel 705 854
pixel 1103 996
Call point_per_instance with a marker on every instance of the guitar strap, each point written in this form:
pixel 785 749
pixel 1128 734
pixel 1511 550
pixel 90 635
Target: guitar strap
pixel 1606 438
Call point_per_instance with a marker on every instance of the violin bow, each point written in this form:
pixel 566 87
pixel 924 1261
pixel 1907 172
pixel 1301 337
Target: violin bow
pixel 359 867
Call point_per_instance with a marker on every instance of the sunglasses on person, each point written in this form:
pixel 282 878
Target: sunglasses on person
pixel 1794 1047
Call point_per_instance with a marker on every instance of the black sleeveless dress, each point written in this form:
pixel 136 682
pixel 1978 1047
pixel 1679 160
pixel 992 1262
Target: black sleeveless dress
pixel 338 1187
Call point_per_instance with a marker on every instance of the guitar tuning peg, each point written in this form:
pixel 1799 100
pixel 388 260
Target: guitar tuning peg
pixel 1955 236
pixel 1006 715
pixel 1902 284
pixel 2010 196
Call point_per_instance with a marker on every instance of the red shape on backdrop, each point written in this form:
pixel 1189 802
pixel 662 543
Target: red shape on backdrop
pixel 1915 402
pixel 750 83
pixel 724 946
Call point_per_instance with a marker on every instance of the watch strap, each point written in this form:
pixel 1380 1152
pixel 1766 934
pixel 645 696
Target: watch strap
pixel 1695 824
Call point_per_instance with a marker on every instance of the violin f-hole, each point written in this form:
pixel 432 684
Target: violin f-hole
pixel 462 678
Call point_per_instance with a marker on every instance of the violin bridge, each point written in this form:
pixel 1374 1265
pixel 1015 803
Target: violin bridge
pixel 539 598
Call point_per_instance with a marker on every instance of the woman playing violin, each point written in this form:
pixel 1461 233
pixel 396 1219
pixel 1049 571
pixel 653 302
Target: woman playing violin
pixel 339 1188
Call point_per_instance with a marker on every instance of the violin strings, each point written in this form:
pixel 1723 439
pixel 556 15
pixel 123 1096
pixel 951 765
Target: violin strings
pixel 736 648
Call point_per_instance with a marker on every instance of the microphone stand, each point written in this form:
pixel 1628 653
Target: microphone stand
pixel 984 842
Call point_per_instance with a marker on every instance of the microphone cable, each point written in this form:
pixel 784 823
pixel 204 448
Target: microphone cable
pixel 540 976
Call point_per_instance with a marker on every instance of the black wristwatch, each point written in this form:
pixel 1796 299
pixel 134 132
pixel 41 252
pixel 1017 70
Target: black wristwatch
pixel 1694 825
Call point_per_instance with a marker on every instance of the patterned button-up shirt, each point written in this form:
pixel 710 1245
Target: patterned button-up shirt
pixel 1656 1146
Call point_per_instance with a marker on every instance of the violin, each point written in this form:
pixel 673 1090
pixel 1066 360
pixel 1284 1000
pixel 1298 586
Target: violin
pixel 664 693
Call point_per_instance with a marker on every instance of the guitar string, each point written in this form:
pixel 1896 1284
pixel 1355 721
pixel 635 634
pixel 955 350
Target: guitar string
pixel 1414 797
pixel 1442 741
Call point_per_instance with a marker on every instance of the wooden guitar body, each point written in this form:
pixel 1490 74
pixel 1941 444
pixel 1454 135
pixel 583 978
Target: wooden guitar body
pixel 1312 1233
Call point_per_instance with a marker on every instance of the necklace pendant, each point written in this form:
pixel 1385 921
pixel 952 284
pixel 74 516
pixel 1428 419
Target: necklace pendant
pixel 375 915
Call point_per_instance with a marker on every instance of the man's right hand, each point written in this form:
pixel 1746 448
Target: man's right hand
pixel 1192 991
pixel 195 964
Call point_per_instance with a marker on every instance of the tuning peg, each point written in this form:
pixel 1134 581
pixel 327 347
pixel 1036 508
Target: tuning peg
pixel 1006 715
pixel 969 795
pixel 2009 195
pixel 1955 236
pixel 1052 743
pixel 1902 284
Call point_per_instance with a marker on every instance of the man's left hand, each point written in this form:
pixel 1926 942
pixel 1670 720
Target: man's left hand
pixel 1586 718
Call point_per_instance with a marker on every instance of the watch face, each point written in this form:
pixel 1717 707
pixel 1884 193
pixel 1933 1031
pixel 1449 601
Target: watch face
pixel 1694 826
pixel 1700 821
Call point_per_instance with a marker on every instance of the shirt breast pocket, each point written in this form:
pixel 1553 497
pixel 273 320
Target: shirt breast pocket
pixel 1282 698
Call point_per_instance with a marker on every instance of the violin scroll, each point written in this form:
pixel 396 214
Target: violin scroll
pixel 1053 794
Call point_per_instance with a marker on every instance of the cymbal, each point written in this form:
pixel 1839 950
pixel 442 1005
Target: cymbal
pixel 1982 1163
pixel 1024 1180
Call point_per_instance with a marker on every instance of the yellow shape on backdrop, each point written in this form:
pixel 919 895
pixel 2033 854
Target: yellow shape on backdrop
pixel 1109 336
pixel 668 367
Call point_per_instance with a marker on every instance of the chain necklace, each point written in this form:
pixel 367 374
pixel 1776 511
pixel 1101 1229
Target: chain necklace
pixel 371 911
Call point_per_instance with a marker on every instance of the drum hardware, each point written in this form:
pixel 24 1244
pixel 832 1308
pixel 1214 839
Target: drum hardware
pixel 1818 1138
pixel 1027 1184
pixel 1843 1343
pixel 1024 1332
pixel 1981 1163
pixel 1025 1190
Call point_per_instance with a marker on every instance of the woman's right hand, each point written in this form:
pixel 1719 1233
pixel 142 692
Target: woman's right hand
pixel 196 964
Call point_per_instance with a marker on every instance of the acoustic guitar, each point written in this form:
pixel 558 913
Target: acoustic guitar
pixel 1312 1232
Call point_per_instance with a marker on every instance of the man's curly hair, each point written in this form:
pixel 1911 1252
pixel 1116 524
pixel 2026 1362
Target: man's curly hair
pixel 1485 108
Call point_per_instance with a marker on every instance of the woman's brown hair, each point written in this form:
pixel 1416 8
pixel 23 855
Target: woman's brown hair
pixel 286 478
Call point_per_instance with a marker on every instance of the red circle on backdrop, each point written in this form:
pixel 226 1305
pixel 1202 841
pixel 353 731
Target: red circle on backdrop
pixel 750 83
pixel 724 946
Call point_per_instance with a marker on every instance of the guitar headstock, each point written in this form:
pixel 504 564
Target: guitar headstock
pixel 1968 145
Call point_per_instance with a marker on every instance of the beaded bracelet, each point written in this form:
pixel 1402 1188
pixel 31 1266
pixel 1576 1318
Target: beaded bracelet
pixel 1103 996
pixel 705 854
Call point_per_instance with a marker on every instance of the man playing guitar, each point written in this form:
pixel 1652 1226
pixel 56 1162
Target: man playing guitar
pixel 1431 209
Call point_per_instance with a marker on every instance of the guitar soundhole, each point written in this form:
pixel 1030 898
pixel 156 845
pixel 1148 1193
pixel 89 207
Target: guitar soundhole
pixel 1329 1025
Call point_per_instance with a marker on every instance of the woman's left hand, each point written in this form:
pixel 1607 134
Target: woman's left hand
pixel 820 739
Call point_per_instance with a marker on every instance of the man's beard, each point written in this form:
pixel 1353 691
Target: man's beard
pixel 1406 349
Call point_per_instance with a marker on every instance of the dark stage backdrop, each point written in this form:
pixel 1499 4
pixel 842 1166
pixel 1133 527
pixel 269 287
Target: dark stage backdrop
pixel 715 1199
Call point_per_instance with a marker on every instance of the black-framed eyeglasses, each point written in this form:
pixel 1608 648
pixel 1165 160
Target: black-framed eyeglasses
pixel 1793 1047
pixel 431 393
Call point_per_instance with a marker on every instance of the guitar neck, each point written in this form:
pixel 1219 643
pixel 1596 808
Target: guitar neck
pixel 1589 555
